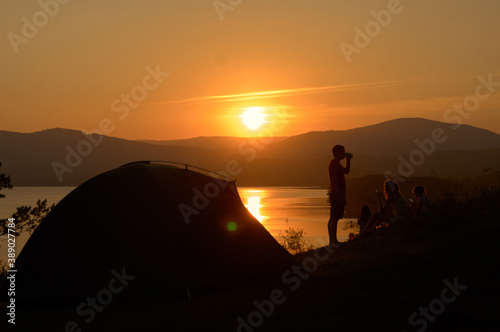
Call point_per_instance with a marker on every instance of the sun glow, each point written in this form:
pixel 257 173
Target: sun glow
pixel 254 199
pixel 254 207
pixel 254 117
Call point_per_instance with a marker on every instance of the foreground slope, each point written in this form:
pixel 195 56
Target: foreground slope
pixel 376 282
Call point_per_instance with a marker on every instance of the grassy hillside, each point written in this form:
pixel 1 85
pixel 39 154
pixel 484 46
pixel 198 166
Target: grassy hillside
pixel 361 191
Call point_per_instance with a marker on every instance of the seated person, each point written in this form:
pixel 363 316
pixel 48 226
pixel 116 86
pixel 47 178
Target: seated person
pixel 421 204
pixel 393 207
pixel 364 216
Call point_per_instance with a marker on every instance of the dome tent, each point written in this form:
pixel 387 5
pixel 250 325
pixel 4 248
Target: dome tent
pixel 172 228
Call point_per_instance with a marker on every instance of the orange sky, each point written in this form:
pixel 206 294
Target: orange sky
pixel 285 56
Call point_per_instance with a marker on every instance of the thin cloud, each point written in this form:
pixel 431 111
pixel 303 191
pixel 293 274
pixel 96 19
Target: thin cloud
pixel 287 92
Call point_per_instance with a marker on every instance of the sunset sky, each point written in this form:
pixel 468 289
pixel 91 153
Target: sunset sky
pixel 283 56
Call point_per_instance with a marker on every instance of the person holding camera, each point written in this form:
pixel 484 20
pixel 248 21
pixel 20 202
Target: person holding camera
pixel 337 192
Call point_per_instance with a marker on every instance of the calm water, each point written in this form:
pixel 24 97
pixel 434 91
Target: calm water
pixel 305 208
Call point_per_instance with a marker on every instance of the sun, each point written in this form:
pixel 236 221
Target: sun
pixel 254 117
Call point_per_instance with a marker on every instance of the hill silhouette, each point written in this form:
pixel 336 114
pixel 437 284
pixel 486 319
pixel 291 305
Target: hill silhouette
pixel 385 139
pixel 29 158
pixel 282 161
pixel 215 143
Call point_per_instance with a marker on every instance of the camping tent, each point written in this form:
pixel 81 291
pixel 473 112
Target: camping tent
pixel 172 228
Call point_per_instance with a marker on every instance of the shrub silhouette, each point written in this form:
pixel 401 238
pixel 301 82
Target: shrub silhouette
pixel 294 241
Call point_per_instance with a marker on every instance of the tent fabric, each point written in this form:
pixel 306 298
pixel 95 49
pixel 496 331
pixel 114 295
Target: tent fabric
pixel 130 218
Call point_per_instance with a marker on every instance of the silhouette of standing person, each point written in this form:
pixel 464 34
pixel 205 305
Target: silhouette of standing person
pixel 337 192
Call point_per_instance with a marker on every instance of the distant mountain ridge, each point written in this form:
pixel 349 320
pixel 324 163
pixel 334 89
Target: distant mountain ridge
pixel 398 137
pixel 30 158
pixel 386 138
pixel 296 160
pixel 206 142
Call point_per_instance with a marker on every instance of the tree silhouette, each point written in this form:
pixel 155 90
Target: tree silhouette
pixel 27 218
pixel 4 182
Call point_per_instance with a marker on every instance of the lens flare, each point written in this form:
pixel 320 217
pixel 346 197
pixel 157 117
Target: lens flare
pixel 231 226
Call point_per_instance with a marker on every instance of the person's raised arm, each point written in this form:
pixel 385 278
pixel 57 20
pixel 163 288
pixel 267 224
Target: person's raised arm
pixel 347 168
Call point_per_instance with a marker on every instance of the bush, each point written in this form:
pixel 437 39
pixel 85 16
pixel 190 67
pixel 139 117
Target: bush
pixel 294 241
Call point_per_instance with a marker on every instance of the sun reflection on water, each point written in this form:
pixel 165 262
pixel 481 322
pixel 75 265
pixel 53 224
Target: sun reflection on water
pixel 254 203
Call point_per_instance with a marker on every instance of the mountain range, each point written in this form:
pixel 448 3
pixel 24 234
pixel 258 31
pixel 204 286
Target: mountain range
pixel 402 147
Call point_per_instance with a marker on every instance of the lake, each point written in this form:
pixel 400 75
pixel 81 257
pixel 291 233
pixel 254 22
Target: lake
pixel 306 208
pixel 302 207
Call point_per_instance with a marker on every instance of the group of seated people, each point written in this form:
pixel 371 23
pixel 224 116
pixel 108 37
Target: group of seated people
pixel 393 207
